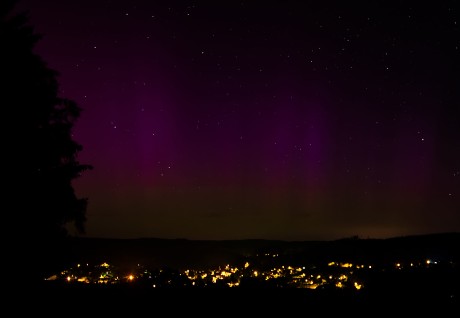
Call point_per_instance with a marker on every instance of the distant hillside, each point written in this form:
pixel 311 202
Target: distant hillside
pixel 183 253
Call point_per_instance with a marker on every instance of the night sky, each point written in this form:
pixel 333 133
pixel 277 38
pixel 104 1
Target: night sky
pixel 291 120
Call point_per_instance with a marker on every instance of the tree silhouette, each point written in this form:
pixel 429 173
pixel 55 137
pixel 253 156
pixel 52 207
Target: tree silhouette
pixel 41 153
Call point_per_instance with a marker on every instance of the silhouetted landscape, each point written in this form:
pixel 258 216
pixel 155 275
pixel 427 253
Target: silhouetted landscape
pixel 400 271
pixel 183 253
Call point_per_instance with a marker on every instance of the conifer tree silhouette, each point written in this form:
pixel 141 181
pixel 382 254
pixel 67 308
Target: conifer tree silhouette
pixel 41 155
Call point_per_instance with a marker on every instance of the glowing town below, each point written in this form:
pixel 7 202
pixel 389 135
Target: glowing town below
pixel 250 273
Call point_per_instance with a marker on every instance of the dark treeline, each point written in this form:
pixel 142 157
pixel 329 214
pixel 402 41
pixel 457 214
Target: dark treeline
pixel 182 253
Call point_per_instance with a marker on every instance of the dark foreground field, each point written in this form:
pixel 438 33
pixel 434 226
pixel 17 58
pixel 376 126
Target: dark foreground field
pixel 83 300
